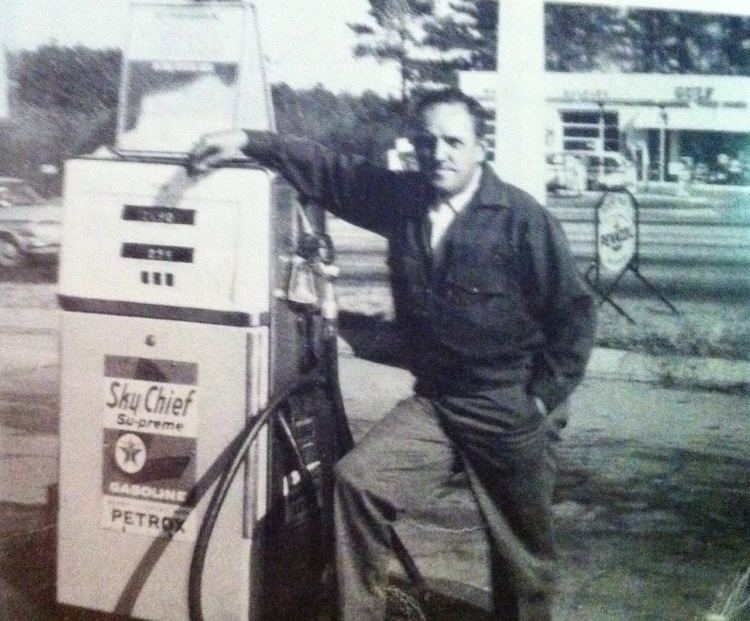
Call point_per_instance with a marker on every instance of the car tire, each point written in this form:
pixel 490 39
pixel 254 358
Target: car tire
pixel 10 253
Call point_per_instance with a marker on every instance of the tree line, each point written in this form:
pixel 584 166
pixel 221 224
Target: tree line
pixel 63 103
pixel 63 99
pixel 429 45
pixel 588 38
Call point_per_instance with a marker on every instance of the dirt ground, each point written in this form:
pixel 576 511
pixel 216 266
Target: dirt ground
pixel 653 499
pixel 654 509
pixel 652 502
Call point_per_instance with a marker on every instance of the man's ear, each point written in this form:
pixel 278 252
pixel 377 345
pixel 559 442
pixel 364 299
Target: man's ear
pixel 481 150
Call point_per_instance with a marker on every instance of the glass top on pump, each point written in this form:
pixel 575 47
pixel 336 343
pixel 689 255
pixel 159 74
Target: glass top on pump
pixel 189 68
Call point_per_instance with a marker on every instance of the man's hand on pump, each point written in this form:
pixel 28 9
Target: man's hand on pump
pixel 215 148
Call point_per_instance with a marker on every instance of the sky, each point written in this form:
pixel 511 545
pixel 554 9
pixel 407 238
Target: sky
pixel 305 41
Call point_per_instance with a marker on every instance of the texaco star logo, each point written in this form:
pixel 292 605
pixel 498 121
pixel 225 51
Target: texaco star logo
pixel 130 453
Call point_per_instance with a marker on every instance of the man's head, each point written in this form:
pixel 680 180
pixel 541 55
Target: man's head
pixel 448 139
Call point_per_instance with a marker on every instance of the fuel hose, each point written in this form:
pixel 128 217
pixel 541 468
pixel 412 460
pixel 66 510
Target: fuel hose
pixel 225 468
pixel 247 436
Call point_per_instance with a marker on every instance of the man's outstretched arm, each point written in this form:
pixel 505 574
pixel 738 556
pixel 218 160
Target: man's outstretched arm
pixel 349 186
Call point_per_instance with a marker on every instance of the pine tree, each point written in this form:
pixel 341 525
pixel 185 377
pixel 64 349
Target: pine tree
pixel 466 37
pixel 395 36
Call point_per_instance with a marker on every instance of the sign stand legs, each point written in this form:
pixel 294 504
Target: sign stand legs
pixel 606 293
pixel 655 290
pixel 616 231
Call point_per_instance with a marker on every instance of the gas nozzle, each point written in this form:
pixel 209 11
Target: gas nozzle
pixel 311 283
pixel 301 288
pixel 316 246
pixel 329 308
pixel 312 272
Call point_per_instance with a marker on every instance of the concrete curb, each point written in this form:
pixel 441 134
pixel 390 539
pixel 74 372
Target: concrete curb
pixel 678 371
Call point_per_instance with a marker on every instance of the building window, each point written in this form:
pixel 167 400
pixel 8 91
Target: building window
pixel 590 130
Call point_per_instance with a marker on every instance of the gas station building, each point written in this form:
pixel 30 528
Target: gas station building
pixel 663 123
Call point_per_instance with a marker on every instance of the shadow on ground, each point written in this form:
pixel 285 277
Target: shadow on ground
pixel 675 520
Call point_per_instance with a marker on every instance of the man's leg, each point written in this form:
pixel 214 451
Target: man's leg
pixel 398 472
pixel 512 471
pixel 517 506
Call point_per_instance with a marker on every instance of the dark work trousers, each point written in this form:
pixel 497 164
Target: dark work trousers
pixel 404 472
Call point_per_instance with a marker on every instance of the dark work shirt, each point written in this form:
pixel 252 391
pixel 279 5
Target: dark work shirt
pixel 504 305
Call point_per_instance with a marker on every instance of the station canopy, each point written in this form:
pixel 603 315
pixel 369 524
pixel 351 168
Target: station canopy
pixel 711 119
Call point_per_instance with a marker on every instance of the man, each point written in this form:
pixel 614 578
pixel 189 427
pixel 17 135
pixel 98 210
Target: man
pixel 498 326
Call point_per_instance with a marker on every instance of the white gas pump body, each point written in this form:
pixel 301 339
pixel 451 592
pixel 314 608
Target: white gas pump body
pixel 175 331
pixel 199 333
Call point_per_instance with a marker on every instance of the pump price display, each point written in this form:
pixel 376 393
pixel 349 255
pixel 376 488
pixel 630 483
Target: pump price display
pixel 162 215
pixel 150 420
pixel 153 252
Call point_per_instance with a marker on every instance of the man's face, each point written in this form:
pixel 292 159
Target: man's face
pixel 448 150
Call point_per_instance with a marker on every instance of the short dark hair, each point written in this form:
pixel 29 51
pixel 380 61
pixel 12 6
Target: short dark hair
pixel 449 96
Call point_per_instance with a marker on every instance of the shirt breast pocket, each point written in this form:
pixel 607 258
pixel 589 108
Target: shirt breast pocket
pixel 479 313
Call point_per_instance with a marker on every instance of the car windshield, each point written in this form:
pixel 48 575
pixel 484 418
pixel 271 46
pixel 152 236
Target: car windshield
pixel 18 194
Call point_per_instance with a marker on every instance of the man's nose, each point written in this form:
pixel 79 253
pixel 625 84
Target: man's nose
pixel 440 150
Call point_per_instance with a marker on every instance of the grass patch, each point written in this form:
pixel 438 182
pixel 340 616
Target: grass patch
pixel 705 328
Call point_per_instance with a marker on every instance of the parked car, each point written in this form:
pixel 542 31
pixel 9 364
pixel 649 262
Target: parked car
pixel 30 226
pixel 610 171
pixel 576 172
pixel 566 173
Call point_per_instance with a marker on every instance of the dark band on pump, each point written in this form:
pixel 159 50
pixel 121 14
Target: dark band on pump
pixel 158 214
pixel 157 252
pixel 151 369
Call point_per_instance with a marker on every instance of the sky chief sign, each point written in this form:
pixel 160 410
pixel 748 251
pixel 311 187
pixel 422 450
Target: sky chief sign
pixel 150 420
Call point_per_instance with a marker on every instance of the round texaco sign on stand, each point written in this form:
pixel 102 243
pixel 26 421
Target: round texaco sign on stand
pixel 616 231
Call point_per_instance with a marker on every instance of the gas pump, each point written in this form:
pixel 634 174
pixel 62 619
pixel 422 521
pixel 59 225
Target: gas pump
pixel 198 343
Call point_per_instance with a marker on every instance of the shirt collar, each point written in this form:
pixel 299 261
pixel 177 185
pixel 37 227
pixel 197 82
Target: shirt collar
pixel 492 192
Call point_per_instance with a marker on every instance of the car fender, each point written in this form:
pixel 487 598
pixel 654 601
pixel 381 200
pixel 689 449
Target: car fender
pixel 11 235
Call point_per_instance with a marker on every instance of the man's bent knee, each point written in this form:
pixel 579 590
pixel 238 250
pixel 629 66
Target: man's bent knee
pixel 352 468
